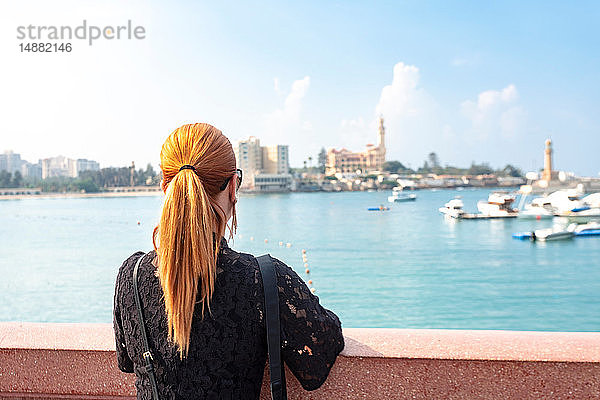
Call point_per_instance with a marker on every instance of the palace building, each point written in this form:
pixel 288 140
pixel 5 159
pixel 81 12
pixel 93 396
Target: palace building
pixel 345 161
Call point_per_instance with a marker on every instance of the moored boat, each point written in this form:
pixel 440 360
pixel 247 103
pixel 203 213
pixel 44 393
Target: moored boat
pixel 539 208
pixel 498 204
pixel 453 208
pixel 592 200
pixel 554 233
pixel 557 232
pixel 399 196
pixel 582 214
pixel 589 229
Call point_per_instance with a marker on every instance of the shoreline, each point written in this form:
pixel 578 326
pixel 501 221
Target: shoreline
pixel 144 193
pixel 148 193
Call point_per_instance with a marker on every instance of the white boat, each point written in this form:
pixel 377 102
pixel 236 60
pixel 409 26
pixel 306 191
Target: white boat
pixel 402 197
pixel 589 229
pixel 566 200
pixel 592 200
pixel 583 214
pixel 570 204
pixel 398 196
pixel 557 232
pixel 453 208
pixel 538 208
pixel 499 204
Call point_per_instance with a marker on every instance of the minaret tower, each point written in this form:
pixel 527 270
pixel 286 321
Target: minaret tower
pixel 381 136
pixel 132 174
pixel 381 143
pixel 547 175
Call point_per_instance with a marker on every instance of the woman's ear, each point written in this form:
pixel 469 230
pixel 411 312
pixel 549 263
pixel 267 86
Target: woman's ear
pixel 232 186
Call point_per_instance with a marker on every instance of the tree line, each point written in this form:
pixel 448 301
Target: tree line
pixel 87 181
pixel 9 180
pixel 432 165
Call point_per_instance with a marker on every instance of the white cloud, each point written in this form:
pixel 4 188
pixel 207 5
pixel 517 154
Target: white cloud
pixel 289 115
pixel 412 117
pixel 403 98
pixel 285 125
pixel 495 111
pixel 276 86
pixel 417 125
pixel 412 120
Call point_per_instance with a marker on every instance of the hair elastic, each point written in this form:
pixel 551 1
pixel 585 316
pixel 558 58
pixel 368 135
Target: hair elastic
pixel 187 166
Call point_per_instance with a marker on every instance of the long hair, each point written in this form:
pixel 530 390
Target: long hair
pixel 190 229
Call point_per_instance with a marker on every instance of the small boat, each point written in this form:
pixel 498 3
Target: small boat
pixel 380 208
pixel 498 204
pixel 453 208
pixel 548 234
pixel 557 232
pixel 589 229
pixel 398 197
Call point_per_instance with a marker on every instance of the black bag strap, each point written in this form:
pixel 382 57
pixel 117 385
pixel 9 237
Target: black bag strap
pixel 276 367
pixel 147 355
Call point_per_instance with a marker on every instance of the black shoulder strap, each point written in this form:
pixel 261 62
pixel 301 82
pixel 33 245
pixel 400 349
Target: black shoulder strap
pixel 147 355
pixel 276 370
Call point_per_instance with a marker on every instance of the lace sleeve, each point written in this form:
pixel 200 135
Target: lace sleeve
pixel 123 361
pixel 311 335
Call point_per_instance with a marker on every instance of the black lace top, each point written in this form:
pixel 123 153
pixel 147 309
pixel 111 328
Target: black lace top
pixel 228 349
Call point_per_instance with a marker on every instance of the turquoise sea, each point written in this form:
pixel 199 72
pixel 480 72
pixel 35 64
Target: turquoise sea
pixel 405 268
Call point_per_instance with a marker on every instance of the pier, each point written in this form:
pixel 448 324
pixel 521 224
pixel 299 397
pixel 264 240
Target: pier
pixel 484 216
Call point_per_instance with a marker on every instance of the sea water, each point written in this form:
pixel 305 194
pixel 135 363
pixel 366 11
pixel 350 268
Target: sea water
pixel 404 268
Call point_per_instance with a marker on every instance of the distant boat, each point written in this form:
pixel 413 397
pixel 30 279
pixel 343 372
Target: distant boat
pixel 398 197
pixel 381 208
pixel 453 208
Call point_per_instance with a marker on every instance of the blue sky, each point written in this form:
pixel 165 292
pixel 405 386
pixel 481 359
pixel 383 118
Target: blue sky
pixel 470 81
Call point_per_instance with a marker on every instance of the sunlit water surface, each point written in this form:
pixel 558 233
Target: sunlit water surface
pixel 405 268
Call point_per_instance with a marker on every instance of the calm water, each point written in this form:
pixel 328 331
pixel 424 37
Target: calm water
pixel 406 268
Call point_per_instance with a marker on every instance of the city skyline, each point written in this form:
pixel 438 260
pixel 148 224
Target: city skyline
pixel 274 159
pixel 489 86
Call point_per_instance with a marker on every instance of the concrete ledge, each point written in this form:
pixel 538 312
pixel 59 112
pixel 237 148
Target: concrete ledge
pixel 67 361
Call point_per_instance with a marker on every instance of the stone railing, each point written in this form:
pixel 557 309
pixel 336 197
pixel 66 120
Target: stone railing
pixel 77 361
